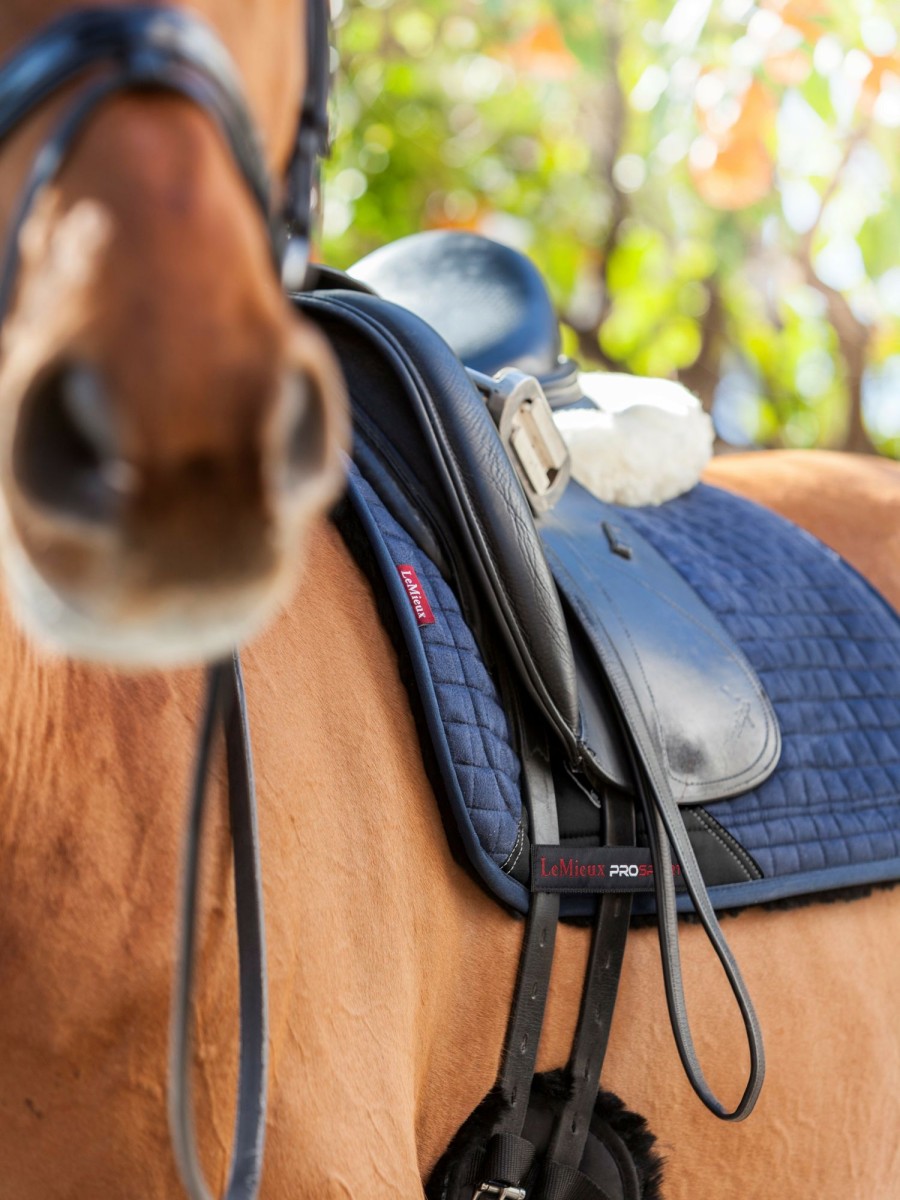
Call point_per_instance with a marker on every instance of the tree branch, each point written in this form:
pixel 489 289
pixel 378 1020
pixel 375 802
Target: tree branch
pixel 852 334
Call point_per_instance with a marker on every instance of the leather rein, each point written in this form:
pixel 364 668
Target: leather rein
pixel 145 49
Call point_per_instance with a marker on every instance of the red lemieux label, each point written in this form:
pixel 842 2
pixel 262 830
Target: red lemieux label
pixel 417 597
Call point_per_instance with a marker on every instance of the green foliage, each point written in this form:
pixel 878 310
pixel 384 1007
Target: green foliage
pixel 712 189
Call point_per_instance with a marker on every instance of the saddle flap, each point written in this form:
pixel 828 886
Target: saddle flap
pixel 690 700
pixel 419 416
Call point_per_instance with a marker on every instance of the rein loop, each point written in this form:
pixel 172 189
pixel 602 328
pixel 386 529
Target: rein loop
pixel 224 701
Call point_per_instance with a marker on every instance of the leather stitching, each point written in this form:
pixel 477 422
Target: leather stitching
pixel 719 835
pixel 510 865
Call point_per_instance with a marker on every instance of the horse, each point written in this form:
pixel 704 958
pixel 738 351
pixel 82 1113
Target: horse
pixel 391 972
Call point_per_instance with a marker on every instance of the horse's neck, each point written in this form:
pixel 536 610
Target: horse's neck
pixel 41 704
pixel 68 728
pixel 93 771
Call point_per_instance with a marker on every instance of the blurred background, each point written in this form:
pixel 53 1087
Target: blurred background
pixel 711 187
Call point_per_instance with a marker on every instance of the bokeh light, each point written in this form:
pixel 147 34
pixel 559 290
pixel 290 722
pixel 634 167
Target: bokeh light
pixel 711 189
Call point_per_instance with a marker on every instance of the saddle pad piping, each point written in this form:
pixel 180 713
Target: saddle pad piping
pixel 785 887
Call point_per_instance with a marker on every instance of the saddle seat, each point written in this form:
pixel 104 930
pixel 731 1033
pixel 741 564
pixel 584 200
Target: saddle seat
pixel 488 302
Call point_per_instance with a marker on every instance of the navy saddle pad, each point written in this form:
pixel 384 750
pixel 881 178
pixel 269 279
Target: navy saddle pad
pixel 825 646
pixel 707 645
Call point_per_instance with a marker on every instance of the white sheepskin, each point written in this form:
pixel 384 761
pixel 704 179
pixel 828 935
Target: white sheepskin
pixel 648 443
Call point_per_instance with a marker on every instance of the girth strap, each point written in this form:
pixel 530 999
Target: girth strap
pixel 566 1183
pixel 499 1164
pixel 598 1002
pixel 526 1019
pixel 507 1164
pixel 225 700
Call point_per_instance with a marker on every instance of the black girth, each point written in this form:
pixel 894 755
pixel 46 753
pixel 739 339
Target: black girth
pixel 149 48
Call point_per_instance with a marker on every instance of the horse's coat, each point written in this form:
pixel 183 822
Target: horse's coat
pixel 391 971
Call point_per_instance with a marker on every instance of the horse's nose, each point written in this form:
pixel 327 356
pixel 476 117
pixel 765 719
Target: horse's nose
pixel 309 425
pixel 65 452
pixel 302 433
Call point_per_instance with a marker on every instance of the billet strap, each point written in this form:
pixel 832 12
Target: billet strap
pixel 224 701
pixel 526 1018
pixel 498 1166
pixel 598 1001
pixel 508 1160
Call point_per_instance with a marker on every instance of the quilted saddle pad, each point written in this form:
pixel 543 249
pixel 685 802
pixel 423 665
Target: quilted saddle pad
pixel 824 644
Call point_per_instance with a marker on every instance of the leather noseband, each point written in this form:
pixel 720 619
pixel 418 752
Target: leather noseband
pixel 165 49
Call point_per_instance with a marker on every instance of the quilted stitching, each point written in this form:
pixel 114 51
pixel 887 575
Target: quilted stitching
pixel 487 768
pixel 827 651
pixel 825 647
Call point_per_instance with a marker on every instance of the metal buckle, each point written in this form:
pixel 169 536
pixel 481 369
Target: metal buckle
pixel 502 1191
pixel 535 446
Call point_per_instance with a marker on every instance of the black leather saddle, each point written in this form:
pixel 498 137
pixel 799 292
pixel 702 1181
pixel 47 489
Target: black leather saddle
pixel 618 679
pixel 487 301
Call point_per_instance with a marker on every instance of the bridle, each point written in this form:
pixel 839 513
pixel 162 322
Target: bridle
pixel 170 50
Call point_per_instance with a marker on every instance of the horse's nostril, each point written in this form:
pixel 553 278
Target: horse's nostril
pixel 305 427
pixel 65 454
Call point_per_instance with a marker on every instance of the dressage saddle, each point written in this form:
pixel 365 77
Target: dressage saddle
pixel 606 728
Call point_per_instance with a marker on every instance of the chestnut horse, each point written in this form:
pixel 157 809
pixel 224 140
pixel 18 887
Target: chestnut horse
pixel 391 972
